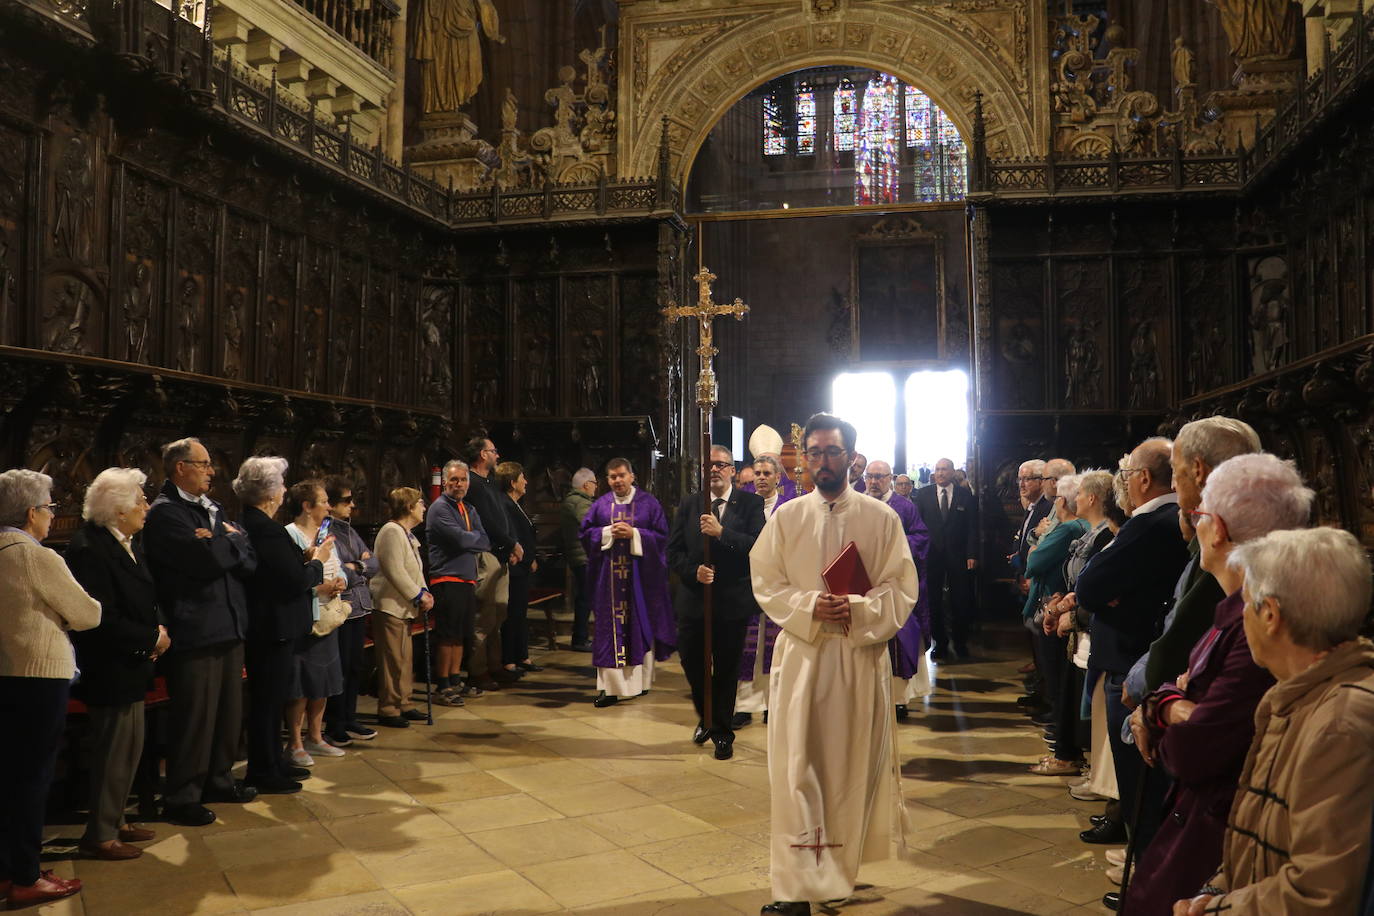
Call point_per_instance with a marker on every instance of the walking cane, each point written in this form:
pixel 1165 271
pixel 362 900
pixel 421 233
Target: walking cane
pixel 1133 831
pixel 429 674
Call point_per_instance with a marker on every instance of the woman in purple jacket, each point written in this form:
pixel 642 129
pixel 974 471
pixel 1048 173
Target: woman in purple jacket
pixel 1200 727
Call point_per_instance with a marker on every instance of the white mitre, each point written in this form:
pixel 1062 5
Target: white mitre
pixel 765 440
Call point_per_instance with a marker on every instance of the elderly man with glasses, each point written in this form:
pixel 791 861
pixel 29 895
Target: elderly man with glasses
pixel 199 561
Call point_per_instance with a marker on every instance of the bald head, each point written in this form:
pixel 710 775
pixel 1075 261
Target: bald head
pixel 1150 473
pixel 878 477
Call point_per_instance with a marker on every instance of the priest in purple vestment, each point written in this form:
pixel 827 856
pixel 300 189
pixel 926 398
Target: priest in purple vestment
pixel 757 661
pixel 625 534
pixel 911 677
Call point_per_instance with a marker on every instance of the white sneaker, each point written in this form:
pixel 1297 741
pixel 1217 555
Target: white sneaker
pixel 301 759
pixel 323 750
pixel 1115 857
pixel 1080 791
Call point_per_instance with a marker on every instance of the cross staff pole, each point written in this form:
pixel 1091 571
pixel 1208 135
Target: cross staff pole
pixel 706 311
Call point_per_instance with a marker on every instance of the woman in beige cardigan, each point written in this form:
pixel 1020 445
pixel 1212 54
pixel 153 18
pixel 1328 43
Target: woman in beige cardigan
pixel 42 602
pixel 399 593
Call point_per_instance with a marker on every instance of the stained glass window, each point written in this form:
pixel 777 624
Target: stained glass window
pixel 806 120
pixel 774 141
pixel 918 116
pixel 846 115
pixel 876 173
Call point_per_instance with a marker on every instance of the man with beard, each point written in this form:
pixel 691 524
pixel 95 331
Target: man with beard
pixel 732 524
pixel 832 760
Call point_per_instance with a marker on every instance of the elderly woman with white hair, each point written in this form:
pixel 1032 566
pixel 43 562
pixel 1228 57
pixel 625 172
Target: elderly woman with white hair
pixel 1298 839
pixel 42 603
pixel 1045 570
pixel 1199 727
pixel 116 658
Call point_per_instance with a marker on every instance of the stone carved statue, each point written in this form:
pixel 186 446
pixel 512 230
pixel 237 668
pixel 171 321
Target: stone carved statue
pixel 1269 325
pixel 1258 29
pixel 1184 63
pixel 448 41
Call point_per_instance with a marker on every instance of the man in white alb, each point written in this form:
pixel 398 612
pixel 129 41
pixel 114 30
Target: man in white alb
pixel 832 761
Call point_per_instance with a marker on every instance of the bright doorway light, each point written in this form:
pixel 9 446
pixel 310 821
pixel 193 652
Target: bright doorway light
pixel 936 418
pixel 869 401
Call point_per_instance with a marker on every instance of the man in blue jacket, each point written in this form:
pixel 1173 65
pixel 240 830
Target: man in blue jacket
pixel 454 536
pixel 1127 587
pixel 199 561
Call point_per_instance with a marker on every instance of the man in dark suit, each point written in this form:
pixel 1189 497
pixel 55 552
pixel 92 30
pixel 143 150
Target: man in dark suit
pixel 950 512
pixel 732 524
pixel 1029 479
pixel 199 560
pixel 1127 587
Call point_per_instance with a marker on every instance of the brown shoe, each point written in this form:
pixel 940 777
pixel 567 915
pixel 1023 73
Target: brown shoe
pixel 132 833
pixel 113 851
pixel 47 888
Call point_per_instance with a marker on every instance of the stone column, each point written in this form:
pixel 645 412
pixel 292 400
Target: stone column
pixel 396 102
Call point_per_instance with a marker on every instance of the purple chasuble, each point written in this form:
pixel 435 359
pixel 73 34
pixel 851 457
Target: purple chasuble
pixel 907 646
pixel 770 629
pixel 628 594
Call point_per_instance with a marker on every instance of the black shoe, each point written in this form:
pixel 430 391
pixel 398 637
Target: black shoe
pixel 1112 900
pixel 700 735
pixel 188 815
pixel 291 771
pixel 725 747
pixel 581 647
pixel 939 655
pixel 394 721
pixel 605 699
pixel 741 719
pixel 1043 719
pixel 901 712
pixel 414 715
pixel 1029 701
pixel 360 732
pixel 529 666
pixel 963 654
pixel 785 908
pixel 276 786
pixel 1097 819
pixel 1107 833
pixel 765 717
pixel 240 794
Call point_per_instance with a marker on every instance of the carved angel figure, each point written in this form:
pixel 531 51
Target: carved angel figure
pixel 449 43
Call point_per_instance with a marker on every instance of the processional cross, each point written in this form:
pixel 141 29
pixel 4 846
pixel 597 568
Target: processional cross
pixel 706 312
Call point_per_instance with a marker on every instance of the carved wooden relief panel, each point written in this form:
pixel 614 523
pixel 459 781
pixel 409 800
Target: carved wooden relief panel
pixel 376 343
pixel 196 227
pixel 485 325
pixel 142 293
pixel 641 344
pixel 1146 334
pixel 1083 332
pixel 1018 291
pixel 1206 305
pixel 345 320
pixel 276 327
pixel 14 206
pixel 239 296
pixel 587 305
pixel 536 317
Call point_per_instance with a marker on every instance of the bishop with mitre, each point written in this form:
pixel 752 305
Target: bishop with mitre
pixel 832 757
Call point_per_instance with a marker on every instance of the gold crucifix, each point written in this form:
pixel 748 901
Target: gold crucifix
pixel 706 311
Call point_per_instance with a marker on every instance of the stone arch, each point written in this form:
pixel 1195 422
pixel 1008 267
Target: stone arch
pixel 692 68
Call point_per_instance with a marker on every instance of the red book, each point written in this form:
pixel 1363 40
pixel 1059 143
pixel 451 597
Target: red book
pixel 846 574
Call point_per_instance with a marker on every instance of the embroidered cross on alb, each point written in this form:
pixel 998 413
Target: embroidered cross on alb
pixel 817 845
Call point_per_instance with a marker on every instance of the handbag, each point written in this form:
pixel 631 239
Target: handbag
pixel 332 615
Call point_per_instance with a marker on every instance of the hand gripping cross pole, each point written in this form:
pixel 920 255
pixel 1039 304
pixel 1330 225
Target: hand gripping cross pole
pixel 706 312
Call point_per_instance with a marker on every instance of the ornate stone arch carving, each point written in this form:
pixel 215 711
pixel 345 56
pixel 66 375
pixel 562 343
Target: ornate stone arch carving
pixel 692 66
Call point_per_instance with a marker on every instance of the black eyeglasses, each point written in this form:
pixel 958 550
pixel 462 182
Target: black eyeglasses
pixel 721 465
pixel 344 501
pixel 830 453
pixel 51 507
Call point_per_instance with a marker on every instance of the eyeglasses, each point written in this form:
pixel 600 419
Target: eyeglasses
pixel 829 453
pixel 200 464
pixel 1196 515
pixel 720 465
pixel 51 507
pixel 1123 473
pixel 876 476
pixel 344 501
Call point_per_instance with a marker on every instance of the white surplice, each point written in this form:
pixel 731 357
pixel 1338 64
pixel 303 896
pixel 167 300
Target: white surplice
pixel 832 753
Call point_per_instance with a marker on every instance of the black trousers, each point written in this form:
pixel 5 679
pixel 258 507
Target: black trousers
pixel 727 646
pixel 949 620
pixel 34 710
pixel 204 721
pixel 270 664
pixel 1072 734
pixel 582 611
pixel 515 631
pixel 341 710
pixel 1051 656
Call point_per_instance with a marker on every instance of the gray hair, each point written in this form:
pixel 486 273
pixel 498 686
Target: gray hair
pixel 454 463
pixel 1213 440
pixel 1155 453
pixel 113 492
pixel 1318 576
pixel 1068 487
pixel 1094 482
pixel 717 447
pixel 20 491
pixel 180 450
pixel 583 476
pixel 1257 494
pixel 1059 467
pixel 1034 465
pixel 770 461
pixel 1119 488
pixel 260 479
